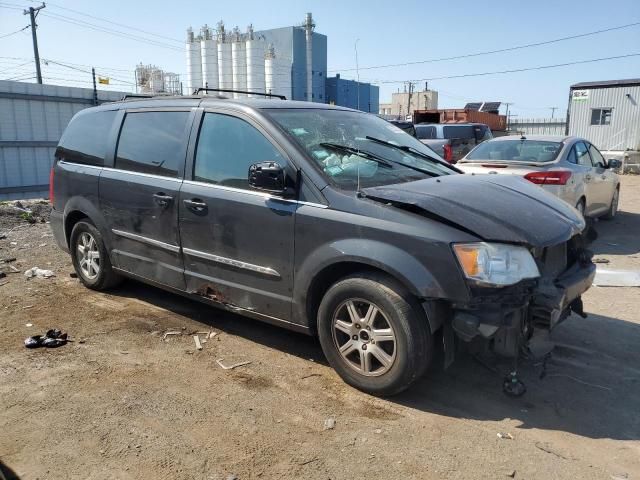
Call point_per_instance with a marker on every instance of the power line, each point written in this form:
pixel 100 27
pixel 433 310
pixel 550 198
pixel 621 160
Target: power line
pixel 117 33
pixel 114 23
pixel 490 52
pixel 13 33
pixel 516 70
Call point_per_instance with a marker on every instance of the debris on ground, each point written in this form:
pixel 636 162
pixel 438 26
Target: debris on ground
pixel 167 334
pixel 8 260
pixel 230 367
pixel 616 278
pixel 39 273
pixel 196 339
pixel 329 423
pixel 52 339
pixel 601 260
pixel 73 275
pixel 511 474
pixel 2 274
pixel 505 436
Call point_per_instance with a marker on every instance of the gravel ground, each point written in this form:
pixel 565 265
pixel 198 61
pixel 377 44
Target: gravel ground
pixel 121 403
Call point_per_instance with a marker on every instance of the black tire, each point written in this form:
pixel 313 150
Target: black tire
pixel 581 206
pixel 413 344
pixel 613 208
pixel 106 278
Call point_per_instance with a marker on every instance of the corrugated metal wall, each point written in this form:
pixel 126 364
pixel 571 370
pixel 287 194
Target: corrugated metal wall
pixel 537 126
pixel 624 131
pixel 32 119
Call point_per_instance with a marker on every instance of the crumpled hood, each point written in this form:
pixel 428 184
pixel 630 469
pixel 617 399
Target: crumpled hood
pixel 502 208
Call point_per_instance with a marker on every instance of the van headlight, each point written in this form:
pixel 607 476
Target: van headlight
pixel 495 264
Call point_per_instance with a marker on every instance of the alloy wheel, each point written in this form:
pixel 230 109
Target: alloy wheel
pixel 364 337
pixel 88 255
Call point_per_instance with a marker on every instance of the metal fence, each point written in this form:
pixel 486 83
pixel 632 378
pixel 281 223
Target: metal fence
pixel 32 119
pixel 538 126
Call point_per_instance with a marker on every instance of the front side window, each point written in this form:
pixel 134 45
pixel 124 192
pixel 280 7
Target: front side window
pixel 355 149
pixel 582 155
pixel 227 147
pixel 601 116
pixel 596 157
pixel 86 137
pixel 152 142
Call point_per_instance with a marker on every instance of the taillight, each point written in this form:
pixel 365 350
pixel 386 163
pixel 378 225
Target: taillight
pixel 51 173
pixel 448 152
pixel 554 177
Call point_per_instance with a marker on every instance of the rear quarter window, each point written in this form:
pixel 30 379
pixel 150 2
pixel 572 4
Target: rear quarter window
pixel 85 140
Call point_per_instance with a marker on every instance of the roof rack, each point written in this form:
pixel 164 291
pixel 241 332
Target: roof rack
pixel 135 95
pixel 270 95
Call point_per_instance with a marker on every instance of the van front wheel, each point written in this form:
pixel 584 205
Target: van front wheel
pixel 374 334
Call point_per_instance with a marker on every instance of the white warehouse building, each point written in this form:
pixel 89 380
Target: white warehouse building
pixel 289 61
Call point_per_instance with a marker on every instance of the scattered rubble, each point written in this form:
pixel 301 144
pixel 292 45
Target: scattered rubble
pixel 616 278
pixel 505 436
pixel 230 367
pixel 52 339
pixel 39 273
pixel 330 423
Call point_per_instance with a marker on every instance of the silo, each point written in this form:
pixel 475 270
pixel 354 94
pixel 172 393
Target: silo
pixel 277 74
pixel 269 78
pixel 194 63
pixel 309 26
pixel 255 63
pixel 209 51
pixel 239 63
pixel 225 74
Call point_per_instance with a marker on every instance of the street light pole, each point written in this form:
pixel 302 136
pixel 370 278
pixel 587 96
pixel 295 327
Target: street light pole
pixel 355 46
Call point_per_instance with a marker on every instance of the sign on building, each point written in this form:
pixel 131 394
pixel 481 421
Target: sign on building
pixel 580 95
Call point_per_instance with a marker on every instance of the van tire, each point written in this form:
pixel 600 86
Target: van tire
pixel 411 349
pixel 83 232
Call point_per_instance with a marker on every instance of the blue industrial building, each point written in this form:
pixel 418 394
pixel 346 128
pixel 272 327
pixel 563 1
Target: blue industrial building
pixel 345 93
pixel 290 44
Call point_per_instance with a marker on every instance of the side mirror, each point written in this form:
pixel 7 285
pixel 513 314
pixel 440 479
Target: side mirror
pixel 268 176
pixel 614 163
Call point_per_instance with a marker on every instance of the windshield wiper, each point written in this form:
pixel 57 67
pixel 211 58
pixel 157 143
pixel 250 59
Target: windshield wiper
pixel 357 151
pixel 406 148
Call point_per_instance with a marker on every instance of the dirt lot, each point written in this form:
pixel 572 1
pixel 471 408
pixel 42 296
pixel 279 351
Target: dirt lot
pixel 119 402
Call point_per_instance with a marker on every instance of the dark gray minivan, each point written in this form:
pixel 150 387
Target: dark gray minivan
pixel 320 219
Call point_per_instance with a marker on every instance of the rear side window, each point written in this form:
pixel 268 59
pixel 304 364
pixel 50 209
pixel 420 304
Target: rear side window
pixel 458 131
pixel 596 157
pixel 425 132
pixel 153 142
pixel 227 147
pixel 86 138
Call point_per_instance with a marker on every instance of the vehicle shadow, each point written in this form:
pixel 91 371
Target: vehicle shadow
pixel 591 386
pixel 618 236
pixel 6 473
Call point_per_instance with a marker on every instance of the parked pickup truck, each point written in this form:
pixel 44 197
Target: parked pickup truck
pixel 452 142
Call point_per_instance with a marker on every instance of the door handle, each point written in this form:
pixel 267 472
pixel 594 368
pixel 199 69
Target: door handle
pixel 162 199
pixel 587 177
pixel 195 205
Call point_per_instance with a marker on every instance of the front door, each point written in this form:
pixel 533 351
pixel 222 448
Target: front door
pixel 587 174
pixel 139 195
pixel 604 181
pixel 237 242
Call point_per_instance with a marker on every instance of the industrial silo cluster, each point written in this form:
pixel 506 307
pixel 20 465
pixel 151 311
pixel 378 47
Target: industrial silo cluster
pixel 235 61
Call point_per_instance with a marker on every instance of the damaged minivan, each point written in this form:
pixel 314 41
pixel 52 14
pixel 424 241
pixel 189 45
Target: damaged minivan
pixel 320 219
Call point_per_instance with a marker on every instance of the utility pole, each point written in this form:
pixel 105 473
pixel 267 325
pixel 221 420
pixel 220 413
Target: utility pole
pixel 33 13
pixel 95 89
pixel 411 84
pixel 553 111
pixel 507 104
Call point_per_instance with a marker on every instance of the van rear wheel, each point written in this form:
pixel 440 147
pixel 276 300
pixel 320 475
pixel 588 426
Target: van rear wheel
pixel 90 257
pixel 374 334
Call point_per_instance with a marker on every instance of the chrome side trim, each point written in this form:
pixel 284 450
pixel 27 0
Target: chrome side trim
pixel 230 261
pixel 256 193
pixel 140 174
pixel 84 165
pixel 147 240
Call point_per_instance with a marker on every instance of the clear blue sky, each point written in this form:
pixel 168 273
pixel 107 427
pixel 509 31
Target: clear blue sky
pixel 389 32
